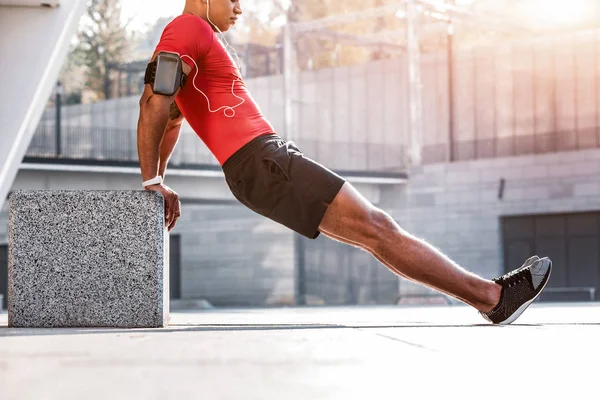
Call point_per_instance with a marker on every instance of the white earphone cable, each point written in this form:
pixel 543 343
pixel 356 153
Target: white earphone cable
pixel 228 111
pixel 227 46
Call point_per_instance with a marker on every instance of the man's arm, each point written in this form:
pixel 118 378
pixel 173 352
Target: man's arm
pixel 154 114
pixel 155 110
pixel 171 137
pixel 152 127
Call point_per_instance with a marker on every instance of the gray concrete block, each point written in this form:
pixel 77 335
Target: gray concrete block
pixel 561 190
pixel 421 200
pixel 495 174
pixel 535 172
pixel 438 226
pixel 463 177
pixel 586 168
pixel 460 167
pixel 587 189
pixel 491 175
pixel 87 259
pixel 489 195
pixel 564 171
pixel 565 157
pixel 463 196
pixel 435 168
pixel 527 193
pixel 590 154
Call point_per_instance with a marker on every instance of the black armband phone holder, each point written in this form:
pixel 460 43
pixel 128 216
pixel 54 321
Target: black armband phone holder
pixel 165 74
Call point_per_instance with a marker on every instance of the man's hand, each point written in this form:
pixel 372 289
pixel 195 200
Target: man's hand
pixel 172 204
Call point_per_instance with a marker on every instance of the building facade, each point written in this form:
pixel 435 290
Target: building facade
pixel 511 157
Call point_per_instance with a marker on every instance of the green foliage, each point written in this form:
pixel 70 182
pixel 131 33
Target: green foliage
pixel 103 42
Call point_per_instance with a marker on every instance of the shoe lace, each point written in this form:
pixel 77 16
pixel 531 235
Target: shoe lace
pixel 513 277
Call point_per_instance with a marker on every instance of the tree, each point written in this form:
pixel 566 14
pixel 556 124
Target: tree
pixel 325 48
pixel 71 77
pixel 103 42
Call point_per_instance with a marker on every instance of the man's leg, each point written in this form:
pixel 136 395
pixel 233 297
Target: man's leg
pixel 353 220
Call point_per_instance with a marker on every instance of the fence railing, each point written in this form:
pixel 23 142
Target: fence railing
pixel 106 144
pixel 553 142
pixel 538 95
pixel 120 145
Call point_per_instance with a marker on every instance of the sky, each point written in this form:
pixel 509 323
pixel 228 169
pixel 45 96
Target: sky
pixel 146 12
pixel 142 14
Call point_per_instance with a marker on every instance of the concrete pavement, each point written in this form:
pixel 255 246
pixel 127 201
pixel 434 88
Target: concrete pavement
pixel 312 353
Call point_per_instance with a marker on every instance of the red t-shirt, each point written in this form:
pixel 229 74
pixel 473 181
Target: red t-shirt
pixel 214 73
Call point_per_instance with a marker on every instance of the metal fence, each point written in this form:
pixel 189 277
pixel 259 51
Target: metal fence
pixel 115 145
pixel 538 95
pixel 107 131
pixel 511 94
pixel 110 145
pixel 344 84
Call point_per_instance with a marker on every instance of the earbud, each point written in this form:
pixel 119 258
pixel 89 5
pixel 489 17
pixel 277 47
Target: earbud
pixel 227 46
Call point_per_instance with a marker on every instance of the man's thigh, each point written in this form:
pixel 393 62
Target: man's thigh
pixel 281 183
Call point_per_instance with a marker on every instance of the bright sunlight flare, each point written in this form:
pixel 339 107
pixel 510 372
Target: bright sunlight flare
pixel 560 12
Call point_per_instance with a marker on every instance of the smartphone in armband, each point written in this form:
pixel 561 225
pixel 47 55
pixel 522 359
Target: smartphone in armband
pixel 165 74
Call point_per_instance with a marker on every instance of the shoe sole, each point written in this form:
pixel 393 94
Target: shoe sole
pixel 521 309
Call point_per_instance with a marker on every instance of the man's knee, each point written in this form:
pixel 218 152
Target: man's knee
pixel 377 227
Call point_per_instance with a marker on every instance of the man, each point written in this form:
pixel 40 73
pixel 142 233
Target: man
pixel 193 76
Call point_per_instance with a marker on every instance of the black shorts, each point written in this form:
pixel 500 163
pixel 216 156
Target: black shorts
pixel 274 179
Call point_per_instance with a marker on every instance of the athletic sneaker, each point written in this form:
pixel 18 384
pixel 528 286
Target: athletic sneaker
pixel 519 289
pixel 529 262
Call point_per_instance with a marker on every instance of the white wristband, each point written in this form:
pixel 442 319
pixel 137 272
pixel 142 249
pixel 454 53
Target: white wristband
pixel 154 181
